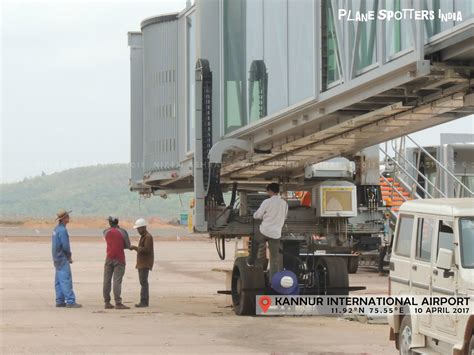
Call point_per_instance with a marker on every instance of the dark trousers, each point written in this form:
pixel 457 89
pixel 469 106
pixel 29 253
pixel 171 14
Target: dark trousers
pixel 258 255
pixel 143 277
pixel 113 269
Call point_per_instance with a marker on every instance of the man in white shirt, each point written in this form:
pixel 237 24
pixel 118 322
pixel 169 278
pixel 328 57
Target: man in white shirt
pixel 273 213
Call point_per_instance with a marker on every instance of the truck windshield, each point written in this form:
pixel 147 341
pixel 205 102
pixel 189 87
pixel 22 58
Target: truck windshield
pixel 466 226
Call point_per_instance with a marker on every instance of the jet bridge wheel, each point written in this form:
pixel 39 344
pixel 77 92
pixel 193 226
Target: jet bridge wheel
pixel 352 264
pixel 332 276
pixel 247 282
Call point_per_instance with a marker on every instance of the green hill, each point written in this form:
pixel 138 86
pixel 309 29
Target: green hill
pixel 89 191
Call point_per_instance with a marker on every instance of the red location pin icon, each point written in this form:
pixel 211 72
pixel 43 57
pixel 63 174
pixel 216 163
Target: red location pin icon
pixel 265 302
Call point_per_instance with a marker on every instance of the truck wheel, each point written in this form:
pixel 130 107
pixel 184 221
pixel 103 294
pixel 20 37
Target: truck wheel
pixel 352 264
pixel 247 282
pixel 405 336
pixel 332 275
pixel 470 346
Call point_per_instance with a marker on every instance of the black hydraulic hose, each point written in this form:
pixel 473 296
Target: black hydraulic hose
pixel 234 195
pixel 220 248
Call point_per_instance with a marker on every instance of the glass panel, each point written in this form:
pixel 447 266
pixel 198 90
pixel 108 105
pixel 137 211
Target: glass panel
pixel 466 7
pixel 399 33
pixel 424 238
pixel 235 115
pixel 338 201
pixel 429 187
pixel 366 49
pixel 329 53
pixel 275 30
pixel 256 68
pixel 300 50
pixel 405 233
pixel 436 26
pixel 468 181
pixel 191 63
pixel 445 236
pixel 254 101
pixel 467 242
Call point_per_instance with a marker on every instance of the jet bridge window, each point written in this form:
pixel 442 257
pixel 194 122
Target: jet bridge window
pixel 398 32
pixel 443 23
pixel 466 7
pixel 235 107
pixel 329 46
pixel 364 34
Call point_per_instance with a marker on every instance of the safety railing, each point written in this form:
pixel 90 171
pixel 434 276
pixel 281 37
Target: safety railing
pixel 442 167
pixel 406 173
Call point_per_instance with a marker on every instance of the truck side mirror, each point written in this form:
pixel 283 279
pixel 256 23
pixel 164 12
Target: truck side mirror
pixel 445 261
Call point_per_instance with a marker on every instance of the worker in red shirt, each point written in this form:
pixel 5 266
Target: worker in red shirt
pixel 117 240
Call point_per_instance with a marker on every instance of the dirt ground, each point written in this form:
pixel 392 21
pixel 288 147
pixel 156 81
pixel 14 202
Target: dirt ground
pixel 79 223
pixel 186 314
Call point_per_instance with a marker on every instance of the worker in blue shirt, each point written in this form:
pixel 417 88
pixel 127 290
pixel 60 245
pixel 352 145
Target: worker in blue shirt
pixel 62 259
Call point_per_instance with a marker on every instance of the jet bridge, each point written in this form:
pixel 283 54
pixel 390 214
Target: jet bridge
pixel 229 95
pixel 365 84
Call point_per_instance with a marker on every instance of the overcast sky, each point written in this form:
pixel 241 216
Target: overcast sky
pixel 65 84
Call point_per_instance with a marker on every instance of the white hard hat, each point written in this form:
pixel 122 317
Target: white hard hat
pixel 140 223
pixel 286 282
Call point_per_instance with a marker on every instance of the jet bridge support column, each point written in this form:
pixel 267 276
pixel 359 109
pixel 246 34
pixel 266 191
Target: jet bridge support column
pixel 368 168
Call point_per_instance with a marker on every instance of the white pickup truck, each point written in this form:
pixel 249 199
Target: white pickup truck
pixel 433 254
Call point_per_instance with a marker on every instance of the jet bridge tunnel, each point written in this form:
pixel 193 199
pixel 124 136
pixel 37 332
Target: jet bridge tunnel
pixel 229 95
pixel 292 81
pixel 267 88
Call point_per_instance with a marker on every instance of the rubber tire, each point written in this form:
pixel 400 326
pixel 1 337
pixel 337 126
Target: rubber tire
pixel 352 264
pixel 404 327
pixel 470 346
pixel 337 274
pixel 246 277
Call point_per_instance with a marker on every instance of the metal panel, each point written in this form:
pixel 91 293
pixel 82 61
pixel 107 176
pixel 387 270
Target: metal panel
pixel 136 107
pixel 160 40
pixel 181 84
pixel 380 130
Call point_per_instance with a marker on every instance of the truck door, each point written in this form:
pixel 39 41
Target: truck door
pixel 444 286
pixel 421 267
pixel 400 263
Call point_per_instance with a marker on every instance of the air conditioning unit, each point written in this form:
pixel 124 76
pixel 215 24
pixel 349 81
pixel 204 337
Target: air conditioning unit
pixel 331 169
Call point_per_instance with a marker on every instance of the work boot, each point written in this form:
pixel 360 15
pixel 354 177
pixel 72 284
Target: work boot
pixel 141 305
pixel 121 306
pixel 108 305
pixel 60 305
pixel 73 305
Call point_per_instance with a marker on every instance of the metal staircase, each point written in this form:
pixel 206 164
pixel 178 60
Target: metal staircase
pixel 392 193
pixel 405 179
